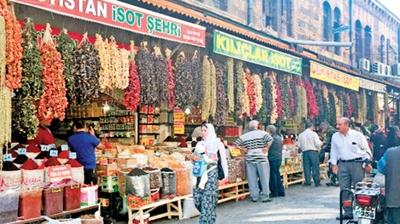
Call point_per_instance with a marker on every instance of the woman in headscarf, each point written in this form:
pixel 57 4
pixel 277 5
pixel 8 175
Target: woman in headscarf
pixel 206 197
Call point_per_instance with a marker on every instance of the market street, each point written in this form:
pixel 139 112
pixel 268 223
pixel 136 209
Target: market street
pixel 302 205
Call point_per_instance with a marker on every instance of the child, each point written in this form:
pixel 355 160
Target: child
pixel 201 152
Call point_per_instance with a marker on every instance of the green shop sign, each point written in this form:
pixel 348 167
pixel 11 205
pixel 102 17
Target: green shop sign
pixel 231 46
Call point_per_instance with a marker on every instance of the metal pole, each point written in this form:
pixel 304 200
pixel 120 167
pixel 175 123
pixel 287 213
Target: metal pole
pixel 351 30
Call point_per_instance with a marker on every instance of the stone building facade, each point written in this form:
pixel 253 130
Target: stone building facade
pixel 375 31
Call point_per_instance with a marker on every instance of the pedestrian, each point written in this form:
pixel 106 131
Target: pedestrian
pixel 349 150
pixel 275 161
pixel 378 140
pixel 328 131
pixel 206 196
pixel 84 144
pixel 310 144
pixel 389 166
pixel 256 144
pixel 393 137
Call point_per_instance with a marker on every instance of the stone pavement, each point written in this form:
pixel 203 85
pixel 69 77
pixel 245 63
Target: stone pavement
pixel 302 205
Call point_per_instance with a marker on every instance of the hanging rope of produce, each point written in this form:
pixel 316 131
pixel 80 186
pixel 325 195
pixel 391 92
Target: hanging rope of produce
pixel 239 88
pixel 213 88
pixel 105 73
pixel 197 79
pixel 66 46
pixel 251 93
pixel 145 63
pixel 313 107
pixel 262 115
pixel 220 115
pixel 332 109
pixel 206 103
pixel 258 92
pixel 230 85
pixel 184 88
pixel 13 47
pixel 293 100
pixel 337 104
pixel 161 72
pixel 86 70
pixel 132 92
pixel 302 109
pixel 53 101
pixel 245 97
pixel 171 81
pixel 284 84
pixel 279 102
pixel 274 99
pixel 122 79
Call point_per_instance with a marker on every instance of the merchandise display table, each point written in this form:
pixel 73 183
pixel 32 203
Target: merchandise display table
pixel 233 191
pixel 60 215
pixel 296 176
pixel 174 208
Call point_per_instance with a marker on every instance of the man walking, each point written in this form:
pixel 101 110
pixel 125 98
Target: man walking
pixel 349 150
pixel 389 166
pixel 256 144
pixel 275 161
pixel 310 144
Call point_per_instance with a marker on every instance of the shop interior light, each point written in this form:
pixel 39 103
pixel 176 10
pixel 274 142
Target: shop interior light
pixel 187 111
pixel 106 107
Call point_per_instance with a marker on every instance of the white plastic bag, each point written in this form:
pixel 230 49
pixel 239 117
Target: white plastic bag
pixel 189 210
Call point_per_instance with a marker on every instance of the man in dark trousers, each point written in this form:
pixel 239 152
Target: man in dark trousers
pixel 349 150
pixel 275 161
pixel 389 166
pixel 84 144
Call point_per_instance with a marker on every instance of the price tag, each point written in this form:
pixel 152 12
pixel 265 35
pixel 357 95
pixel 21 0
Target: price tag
pixel 53 153
pixel 72 155
pixel 21 151
pixel 44 148
pixel 64 147
pixel 52 146
pixel 7 157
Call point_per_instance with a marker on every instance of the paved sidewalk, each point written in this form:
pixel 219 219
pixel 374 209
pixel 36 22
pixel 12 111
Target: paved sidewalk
pixel 302 205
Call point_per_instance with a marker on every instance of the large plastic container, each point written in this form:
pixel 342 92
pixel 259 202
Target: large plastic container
pixel 183 184
pixel 9 206
pixel 155 177
pixel 30 204
pixel 89 195
pixel 72 197
pixel 168 189
pixel 53 200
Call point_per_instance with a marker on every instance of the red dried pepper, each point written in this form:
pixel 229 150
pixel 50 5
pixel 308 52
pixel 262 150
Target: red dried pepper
pixel 13 47
pixel 171 85
pixel 279 104
pixel 251 92
pixel 313 109
pixel 132 93
pixel 53 101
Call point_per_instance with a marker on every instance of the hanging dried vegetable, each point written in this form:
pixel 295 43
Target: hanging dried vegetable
pixel 302 109
pixel 206 103
pixel 312 103
pixel 105 73
pixel 5 113
pixel 66 46
pixel 148 80
pixel 184 89
pixel 86 70
pixel 213 88
pixel 230 85
pixel 258 89
pixel 274 109
pixel 24 120
pixel 251 93
pixel 278 101
pixel 284 84
pixel 13 47
pixel 171 81
pixel 293 100
pixel 239 87
pixel 263 114
pixel 332 109
pixel 221 97
pixel 132 92
pixel 197 79
pixel 161 72
pixel 53 101
pixel 31 68
pixel 2 47
pixel 338 109
pixel 245 97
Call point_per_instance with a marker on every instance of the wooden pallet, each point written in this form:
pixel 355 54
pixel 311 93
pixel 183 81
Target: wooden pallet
pixel 233 191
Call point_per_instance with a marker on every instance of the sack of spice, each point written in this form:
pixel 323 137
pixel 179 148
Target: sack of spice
pixel 9 206
pixel 138 183
pixel 10 177
pixel 32 175
pixel 77 172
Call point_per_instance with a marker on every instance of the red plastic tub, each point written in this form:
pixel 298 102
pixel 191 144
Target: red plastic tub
pixel 53 200
pixel 30 204
pixel 72 197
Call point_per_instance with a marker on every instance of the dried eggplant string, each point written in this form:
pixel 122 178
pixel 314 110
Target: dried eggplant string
pixel 171 81
pixel 206 103
pixel 66 46
pixel 220 115
pixel 161 72
pixel 148 80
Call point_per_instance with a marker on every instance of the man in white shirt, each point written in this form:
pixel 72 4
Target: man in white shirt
pixel 349 150
pixel 310 144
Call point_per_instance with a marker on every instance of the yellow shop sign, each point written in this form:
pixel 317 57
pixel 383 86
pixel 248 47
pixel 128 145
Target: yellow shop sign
pixel 333 76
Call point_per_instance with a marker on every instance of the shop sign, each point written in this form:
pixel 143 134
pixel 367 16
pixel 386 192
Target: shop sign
pixel 333 76
pixel 179 122
pixel 58 173
pixel 235 47
pixel 179 129
pixel 125 16
pixel 371 85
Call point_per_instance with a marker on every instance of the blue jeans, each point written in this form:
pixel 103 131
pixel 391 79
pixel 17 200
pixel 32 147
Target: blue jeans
pixel 275 182
pixel 258 176
pixel 311 166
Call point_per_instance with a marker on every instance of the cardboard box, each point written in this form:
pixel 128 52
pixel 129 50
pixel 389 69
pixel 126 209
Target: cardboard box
pixel 107 170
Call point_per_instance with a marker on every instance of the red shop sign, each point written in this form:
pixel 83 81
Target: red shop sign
pixel 58 173
pixel 124 16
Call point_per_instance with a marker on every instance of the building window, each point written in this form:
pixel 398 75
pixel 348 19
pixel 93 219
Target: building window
pixel 367 42
pixel 270 12
pixel 337 23
pixel 221 4
pixel 388 51
pixel 327 23
pixel 358 44
pixel 382 49
pixel 289 17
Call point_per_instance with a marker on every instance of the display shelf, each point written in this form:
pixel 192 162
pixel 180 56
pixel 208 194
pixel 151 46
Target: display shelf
pixel 59 215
